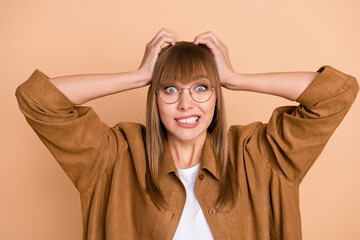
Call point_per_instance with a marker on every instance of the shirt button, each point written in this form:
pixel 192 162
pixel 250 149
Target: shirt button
pixel 201 176
pixel 212 211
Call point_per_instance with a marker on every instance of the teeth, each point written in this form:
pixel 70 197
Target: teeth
pixel 188 120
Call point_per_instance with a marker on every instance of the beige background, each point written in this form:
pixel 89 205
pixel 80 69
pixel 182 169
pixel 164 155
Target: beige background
pixel 38 201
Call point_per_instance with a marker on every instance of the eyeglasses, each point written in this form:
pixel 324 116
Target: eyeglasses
pixel 200 92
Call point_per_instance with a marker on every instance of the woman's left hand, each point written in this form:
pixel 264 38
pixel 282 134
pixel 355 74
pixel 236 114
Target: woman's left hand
pixel 220 53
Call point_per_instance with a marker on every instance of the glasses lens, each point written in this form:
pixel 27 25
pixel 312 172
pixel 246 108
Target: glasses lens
pixel 201 92
pixel 169 94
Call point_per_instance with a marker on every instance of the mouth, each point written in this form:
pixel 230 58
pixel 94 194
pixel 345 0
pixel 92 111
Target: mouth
pixel 188 119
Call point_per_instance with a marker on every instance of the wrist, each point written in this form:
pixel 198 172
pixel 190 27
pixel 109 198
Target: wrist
pixel 232 81
pixel 143 77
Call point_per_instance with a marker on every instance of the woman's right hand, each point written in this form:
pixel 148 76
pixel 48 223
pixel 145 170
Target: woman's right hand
pixel 152 51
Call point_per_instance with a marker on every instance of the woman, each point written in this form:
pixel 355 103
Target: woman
pixel 185 176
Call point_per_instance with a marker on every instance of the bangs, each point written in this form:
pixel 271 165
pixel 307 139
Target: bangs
pixel 187 63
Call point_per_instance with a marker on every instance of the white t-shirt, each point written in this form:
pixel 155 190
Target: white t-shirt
pixel 193 224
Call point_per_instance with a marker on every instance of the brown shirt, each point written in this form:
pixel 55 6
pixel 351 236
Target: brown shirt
pixel 107 164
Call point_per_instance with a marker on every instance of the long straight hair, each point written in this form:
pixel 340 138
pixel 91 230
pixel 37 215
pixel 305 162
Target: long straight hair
pixel 180 63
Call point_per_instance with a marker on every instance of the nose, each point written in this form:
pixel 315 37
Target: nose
pixel 185 102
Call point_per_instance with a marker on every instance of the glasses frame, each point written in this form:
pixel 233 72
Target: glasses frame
pixel 181 91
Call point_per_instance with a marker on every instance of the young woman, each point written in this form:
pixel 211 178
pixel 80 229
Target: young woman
pixel 186 176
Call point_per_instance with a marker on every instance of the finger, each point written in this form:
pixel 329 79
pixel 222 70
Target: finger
pixel 163 32
pixel 209 38
pixel 203 38
pixel 162 41
pixel 208 43
pixel 209 35
pixel 171 32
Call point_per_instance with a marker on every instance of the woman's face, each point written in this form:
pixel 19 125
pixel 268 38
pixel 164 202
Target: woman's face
pixel 186 119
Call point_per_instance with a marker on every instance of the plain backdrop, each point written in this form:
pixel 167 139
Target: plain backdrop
pixel 38 201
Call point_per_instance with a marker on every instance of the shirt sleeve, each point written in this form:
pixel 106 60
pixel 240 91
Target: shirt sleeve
pixel 74 135
pixel 296 135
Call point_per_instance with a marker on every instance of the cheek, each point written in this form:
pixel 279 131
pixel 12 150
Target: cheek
pixel 209 112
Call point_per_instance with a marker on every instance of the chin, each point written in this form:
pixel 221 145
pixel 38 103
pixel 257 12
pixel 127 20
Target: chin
pixel 186 136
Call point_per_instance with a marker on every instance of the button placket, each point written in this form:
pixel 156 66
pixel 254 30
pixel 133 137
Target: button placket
pixel 201 176
pixel 212 211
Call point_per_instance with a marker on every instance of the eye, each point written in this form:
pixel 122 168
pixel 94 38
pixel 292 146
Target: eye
pixel 201 88
pixel 170 90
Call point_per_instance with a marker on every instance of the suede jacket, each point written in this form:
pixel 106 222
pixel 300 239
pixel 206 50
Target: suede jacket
pixel 107 165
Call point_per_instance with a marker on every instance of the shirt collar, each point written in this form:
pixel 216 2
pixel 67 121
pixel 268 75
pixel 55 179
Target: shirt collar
pixel 208 160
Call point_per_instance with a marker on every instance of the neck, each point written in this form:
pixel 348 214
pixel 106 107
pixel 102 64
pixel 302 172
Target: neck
pixel 186 154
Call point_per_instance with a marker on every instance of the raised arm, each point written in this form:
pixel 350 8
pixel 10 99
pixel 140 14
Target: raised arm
pixel 295 135
pixel 82 88
pixel 289 85
pixel 82 144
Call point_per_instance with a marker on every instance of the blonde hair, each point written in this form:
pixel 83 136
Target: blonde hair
pixel 180 63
